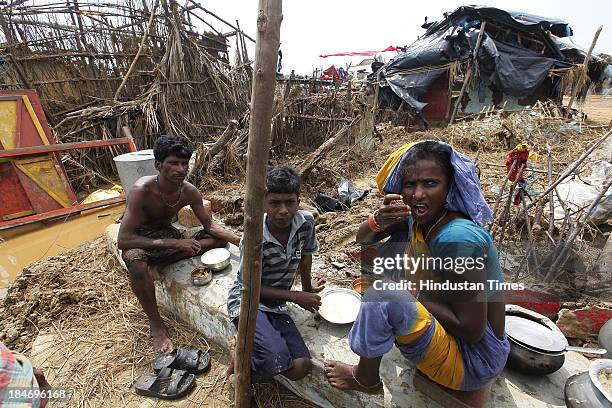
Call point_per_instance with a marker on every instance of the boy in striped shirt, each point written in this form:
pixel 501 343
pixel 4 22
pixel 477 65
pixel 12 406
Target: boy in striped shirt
pixel 288 244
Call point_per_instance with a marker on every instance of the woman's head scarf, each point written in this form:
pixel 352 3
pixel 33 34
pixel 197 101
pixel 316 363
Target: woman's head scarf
pixel 464 192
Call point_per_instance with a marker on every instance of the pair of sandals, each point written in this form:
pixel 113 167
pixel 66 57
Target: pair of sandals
pixel 174 375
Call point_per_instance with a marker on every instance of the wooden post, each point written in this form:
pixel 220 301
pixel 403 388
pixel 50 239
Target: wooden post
pixel 128 134
pixel 349 91
pixel 585 69
pixel 376 93
pixel 262 103
pixel 468 74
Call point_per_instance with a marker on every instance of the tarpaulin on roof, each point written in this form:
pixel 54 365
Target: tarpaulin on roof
pixel 519 72
pixel 513 70
pixel 517 19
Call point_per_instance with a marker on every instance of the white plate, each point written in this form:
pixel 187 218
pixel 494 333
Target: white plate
pixel 594 369
pixel 215 256
pixel 339 305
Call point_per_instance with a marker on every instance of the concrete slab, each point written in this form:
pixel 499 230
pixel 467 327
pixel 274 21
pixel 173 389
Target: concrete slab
pixel 203 308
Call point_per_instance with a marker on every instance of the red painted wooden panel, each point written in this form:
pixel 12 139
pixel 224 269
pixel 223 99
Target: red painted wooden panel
pixel 13 198
pixel 41 201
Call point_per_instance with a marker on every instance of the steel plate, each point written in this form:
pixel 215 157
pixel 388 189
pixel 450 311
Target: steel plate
pixel 534 334
pixel 339 306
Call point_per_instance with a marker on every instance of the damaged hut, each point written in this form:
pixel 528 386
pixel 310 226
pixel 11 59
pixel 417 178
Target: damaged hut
pixel 478 57
pixel 152 65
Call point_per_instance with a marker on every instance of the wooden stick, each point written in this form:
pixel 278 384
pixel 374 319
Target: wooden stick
pixel 189 10
pixel 501 192
pixel 570 169
pixel 506 214
pixel 241 42
pixel 584 70
pixel 532 250
pixel 142 41
pixel 375 106
pixel 266 50
pixel 314 157
pixel 551 201
pixel 196 5
pixel 227 134
pixel 205 156
pixel 530 169
pixel 469 72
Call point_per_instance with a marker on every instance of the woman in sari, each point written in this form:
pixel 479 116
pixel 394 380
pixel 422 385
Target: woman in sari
pixel 433 209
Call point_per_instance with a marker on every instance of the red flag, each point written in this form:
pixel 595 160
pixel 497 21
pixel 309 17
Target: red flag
pixel 360 53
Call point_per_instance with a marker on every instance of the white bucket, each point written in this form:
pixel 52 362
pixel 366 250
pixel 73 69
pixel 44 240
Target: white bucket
pixel 134 165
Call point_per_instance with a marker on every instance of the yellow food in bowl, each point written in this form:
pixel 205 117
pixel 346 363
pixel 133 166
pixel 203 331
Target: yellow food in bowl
pixel 200 273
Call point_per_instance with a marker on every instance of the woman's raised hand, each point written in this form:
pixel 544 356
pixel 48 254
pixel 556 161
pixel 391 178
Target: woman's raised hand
pixel 392 210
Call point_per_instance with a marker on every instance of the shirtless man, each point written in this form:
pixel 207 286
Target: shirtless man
pixel 148 239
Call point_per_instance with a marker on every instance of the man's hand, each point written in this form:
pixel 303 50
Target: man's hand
pixel 307 300
pixel 317 285
pixel 189 246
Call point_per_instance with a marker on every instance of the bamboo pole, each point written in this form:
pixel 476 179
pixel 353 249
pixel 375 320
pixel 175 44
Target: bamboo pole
pixel 469 72
pixel 262 104
pixel 584 71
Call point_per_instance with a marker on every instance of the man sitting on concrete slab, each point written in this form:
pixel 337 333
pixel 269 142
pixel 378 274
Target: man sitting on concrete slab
pixel 288 244
pixel 147 237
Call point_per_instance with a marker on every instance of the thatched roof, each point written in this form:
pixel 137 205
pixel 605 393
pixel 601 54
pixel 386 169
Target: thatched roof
pixel 76 55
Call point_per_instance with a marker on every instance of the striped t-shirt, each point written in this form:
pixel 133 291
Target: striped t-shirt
pixel 279 264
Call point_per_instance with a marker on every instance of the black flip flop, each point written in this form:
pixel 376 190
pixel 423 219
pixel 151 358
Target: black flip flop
pixel 194 361
pixel 167 384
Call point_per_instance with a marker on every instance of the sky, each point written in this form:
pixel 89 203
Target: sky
pixel 315 27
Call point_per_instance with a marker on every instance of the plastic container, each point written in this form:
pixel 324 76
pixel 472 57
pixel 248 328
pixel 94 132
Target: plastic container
pixel 132 166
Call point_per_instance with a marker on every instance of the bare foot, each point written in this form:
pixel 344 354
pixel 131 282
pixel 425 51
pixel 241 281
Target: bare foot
pixel 154 272
pixel 340 375
pixel 161 340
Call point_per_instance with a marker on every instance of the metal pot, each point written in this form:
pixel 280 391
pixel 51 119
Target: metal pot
pixel 580 392
pixel 529 361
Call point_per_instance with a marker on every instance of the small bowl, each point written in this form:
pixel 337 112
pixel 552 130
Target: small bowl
pixel 201 276
pixel 360 285
pixel 216 259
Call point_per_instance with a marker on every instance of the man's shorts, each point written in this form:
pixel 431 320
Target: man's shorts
pixel 276 344
pixel 158 256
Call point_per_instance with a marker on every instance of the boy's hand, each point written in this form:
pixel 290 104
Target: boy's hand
pixel 307 300
pixel 317 285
